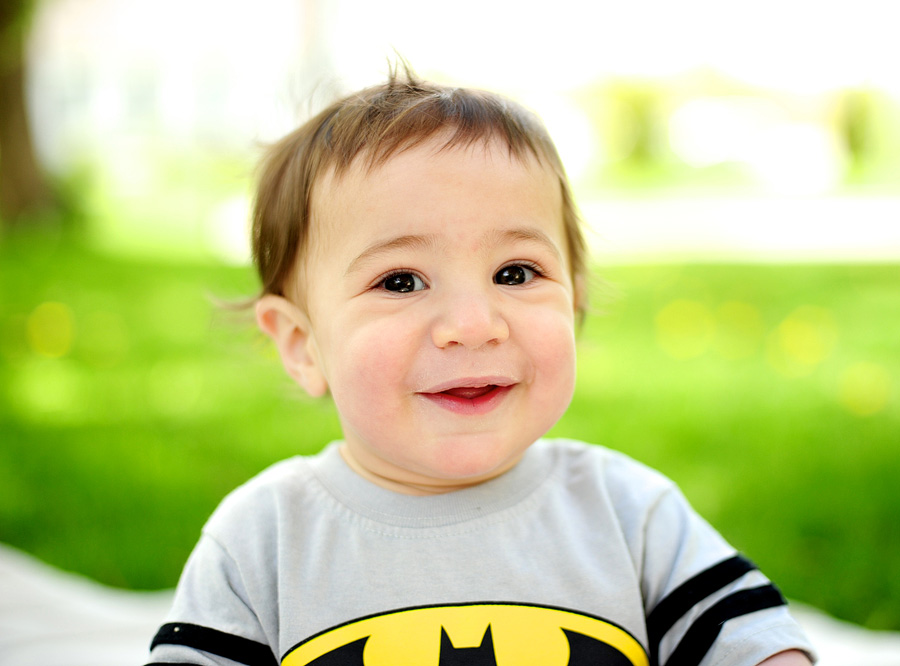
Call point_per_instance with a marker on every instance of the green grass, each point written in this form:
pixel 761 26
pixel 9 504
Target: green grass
pixel 131 404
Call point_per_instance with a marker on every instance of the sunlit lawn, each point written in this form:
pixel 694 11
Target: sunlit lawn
pixel 131 405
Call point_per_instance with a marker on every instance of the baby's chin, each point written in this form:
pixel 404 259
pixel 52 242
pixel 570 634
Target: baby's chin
pixel 453 466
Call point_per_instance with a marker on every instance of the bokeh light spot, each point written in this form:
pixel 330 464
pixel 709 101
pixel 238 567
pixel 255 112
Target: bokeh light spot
pixel 48 391
pixel 685 329
pixel 50 329
pixel 739 330
pixel 802 341
pixel 865 388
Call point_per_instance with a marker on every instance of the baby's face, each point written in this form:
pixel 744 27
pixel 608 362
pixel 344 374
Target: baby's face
pixel 441 306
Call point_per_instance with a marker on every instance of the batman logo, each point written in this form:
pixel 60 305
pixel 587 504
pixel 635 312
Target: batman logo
pixel 482 634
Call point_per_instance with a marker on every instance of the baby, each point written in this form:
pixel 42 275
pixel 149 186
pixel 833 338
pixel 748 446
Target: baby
pixel 422 263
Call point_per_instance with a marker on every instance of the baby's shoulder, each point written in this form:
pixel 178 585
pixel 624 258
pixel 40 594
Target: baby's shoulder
pixel 591 469
pixel 258 503
pixel 577 458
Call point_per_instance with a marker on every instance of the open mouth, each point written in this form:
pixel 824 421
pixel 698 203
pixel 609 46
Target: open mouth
pixel 478 399
pixel 470 392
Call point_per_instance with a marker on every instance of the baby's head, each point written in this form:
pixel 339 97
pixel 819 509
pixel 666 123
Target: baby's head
pixel 421 259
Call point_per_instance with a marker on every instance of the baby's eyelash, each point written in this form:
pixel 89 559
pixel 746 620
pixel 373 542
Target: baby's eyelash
pixel 532 266
pixel 535 268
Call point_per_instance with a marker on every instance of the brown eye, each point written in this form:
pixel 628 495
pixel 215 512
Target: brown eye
pixel 513 275
pixel 403 283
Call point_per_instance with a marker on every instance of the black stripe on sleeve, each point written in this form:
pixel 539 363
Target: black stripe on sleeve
pixel 236 648
pixel 706 628
pixel 688 594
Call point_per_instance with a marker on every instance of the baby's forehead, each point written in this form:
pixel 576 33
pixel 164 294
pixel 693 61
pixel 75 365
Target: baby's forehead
pixel 433 183
pixel 372 164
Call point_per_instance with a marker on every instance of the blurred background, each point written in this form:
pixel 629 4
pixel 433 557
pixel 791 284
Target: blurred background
pixel 737 165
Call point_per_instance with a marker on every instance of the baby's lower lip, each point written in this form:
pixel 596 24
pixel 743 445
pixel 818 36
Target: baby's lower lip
pixel 469 400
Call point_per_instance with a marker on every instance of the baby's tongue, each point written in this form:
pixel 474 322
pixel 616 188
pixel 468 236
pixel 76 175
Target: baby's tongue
pixel 469 392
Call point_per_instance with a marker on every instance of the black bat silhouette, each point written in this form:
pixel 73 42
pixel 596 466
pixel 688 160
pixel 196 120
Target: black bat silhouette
pixel 583 651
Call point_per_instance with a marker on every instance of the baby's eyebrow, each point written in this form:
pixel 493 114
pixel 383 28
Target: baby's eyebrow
pixel 412 241
pixel 418 242
pixel 527 234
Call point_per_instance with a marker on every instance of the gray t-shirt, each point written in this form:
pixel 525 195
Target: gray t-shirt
pixel 578 555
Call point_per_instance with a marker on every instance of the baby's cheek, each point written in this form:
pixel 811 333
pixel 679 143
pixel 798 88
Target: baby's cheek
pixel 553 351
pixel 371 368
pixel 552 334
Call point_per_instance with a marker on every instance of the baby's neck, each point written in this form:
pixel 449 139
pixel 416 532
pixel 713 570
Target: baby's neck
pixel 402 487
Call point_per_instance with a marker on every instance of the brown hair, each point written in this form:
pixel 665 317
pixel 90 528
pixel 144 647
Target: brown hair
pixel 376 123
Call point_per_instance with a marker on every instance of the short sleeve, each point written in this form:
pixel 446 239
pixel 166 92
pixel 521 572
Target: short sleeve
pixel 706 604
pixel 211 621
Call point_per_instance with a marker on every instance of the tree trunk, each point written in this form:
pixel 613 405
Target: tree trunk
pixel 24 190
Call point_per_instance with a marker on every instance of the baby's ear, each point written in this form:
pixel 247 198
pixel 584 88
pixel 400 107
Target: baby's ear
pixel 290 330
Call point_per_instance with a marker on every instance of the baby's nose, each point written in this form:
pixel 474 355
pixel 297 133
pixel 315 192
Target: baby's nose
pixel 470 320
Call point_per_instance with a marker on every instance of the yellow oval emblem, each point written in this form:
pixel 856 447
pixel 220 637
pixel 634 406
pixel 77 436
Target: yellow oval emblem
pixel 481 634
